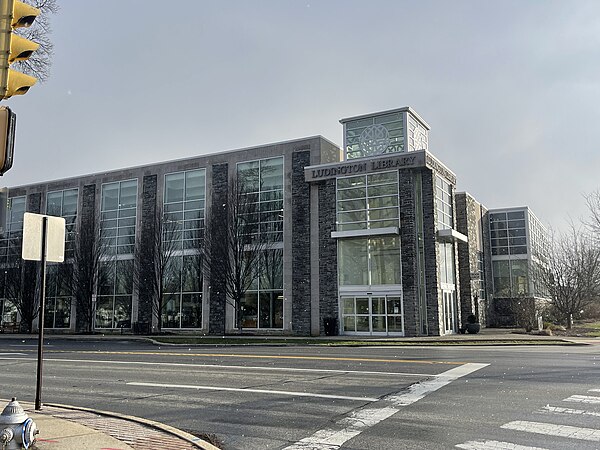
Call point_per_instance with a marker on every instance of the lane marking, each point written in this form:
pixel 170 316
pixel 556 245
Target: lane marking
pixel 15 354
pixel 358 421
pixel 251 356
pixel 220 366
pixel 552 429
pixel 257 391
pixel 583 399
pixel 495 445
pixel 559 410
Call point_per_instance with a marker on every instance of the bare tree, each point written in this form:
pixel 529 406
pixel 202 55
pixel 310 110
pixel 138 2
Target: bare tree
pixel 21 283
pixel 162 242
pixel 571 272
pixel 89 254
pixel 234 245
pixel 38 65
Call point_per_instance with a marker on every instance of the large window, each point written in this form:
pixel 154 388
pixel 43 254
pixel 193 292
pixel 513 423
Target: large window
pixel 115 288
pixel 57 313
pixel 182 297
pixel 64 204
pixel 10 242
pixel 443 198
pixel 262 306
pixel 511 278
pixel 118 218
pixel 369 261
pixel 367 202
pixel 261 183
pixel 184 206
pixel 508 233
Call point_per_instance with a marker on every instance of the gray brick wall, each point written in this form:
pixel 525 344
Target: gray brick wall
pixel 217 295
pixel 408 249
pixel 146 249
pixel 300 245
pixel 328 301
pixel 432 292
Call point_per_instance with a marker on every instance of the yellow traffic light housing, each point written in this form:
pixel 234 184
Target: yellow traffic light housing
pixel 8 124
pixel 15 14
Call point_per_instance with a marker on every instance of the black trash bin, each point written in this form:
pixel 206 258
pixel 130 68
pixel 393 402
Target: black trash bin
pixel 330 325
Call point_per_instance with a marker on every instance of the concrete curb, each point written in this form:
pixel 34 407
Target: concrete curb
pixel 190 438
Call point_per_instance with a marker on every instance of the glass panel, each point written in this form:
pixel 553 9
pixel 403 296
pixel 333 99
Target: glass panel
pixel 70 202
pixel 191 311
pixel 385 261
pixel 353 262
pixel 110 196
pixel 501 270
pixel 54 204
pixel 348 305
pixel 350 323
pixel 362 323
pixel 128 194
pixel 394 305
pixel 104 312
pixel 378 305
pixel 394 324
pixel 170 311
pixel 123 312
pixel 271 310
pixel 362 305
pixel 250 310
pixel 195 185
pixel 62 313
pixel 378 324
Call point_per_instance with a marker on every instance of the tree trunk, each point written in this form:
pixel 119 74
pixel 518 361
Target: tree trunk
pixel 569 321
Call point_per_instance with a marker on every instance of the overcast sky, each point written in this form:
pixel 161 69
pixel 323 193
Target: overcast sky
pixel 511 89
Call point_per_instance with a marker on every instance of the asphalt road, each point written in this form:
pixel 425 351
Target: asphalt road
pixel 328 398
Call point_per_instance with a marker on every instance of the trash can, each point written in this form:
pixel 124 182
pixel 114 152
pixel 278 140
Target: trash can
pixel 330 325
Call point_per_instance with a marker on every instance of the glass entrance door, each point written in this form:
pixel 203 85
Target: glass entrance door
pixel 372 314
pixel 449 312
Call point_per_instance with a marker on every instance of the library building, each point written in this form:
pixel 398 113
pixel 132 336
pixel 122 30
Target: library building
pixel 368 239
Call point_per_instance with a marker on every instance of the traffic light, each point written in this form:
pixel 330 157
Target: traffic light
pixel 8 123
pixel 15 14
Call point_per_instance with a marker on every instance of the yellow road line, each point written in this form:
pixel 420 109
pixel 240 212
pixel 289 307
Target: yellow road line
pixel 249 356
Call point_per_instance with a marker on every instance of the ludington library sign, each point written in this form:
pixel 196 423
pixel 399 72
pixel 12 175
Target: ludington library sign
pixel 363 165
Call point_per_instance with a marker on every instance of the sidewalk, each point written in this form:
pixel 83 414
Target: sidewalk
pixel 69 428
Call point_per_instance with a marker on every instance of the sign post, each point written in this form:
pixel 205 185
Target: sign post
pixel 43 240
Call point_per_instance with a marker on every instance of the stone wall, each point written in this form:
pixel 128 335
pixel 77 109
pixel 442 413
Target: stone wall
pixel 301 288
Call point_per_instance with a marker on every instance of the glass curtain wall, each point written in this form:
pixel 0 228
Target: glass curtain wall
pixel 113 302
pixel 58 297
pixel 183 229
pixel 10 254
pixel 57 313
pixel 261 182
pixel 117 234
pixel 64 204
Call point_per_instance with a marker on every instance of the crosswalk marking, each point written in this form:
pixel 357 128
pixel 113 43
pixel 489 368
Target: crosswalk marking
pixel 583 399
pixel 343 430
pixel 552 429
pixel 495 445
pixel 559 410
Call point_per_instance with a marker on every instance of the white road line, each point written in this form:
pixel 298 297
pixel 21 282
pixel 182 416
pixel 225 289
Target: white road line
pixel 583 399
pixel 577 412
pixel 221 366
pixel 258 391
pixel 358 421
pixel 552 429
pixel 14 354
pixel 495 445
pixel 594 390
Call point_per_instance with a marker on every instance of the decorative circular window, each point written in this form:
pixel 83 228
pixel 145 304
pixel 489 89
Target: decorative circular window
pixel 374 140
